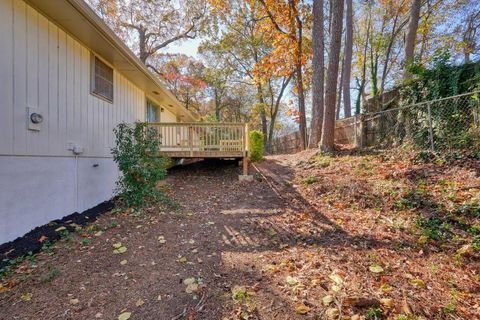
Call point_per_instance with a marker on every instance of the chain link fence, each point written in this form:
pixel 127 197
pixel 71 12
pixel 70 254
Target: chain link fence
pixel 447 125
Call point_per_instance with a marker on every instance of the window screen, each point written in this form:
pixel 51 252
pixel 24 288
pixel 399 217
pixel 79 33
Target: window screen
pixel 102 79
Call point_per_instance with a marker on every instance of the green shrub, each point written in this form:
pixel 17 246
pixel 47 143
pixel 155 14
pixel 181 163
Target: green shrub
pixel 257 148
pixel 136 153
pixel 309 180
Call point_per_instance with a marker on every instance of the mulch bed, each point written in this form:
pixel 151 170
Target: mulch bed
pixel 31 242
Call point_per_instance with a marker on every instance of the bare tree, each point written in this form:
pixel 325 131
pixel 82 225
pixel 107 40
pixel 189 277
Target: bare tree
pixel 328 129
pixel 149 26
pixel 318 77
pixel 347 67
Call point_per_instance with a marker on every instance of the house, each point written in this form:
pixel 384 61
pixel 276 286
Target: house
pixel 66 80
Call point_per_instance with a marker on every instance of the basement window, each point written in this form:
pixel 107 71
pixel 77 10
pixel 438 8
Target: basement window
pixel 102 79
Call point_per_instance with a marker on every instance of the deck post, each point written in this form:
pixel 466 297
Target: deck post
pixel 245 177
pixel 245 166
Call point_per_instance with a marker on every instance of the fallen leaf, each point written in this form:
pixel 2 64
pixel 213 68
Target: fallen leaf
pixel 465 250
pixel 301 308
pixel 42 238
pixel 26 297
pixel 193 287
pixel 272 268
pixel 140 303
pixel 405 307
pixel 272 232
pixel 375 268
pixel 332 313
pixel 188 281
pixel 386 302
pixel 182 260
pixel 74 301
pixel 315 282
pixel 120 250
pixel 124 316
pixel 418 283
pixel 123 262
pixel 335 277
pixel 98 233
pixel 161 240
pixel 327 300
pixel 292 280
pixel 385 287
pixel 117 245
pixel 422 240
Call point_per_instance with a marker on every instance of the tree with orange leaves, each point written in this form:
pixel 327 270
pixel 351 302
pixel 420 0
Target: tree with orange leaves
pixel 284 21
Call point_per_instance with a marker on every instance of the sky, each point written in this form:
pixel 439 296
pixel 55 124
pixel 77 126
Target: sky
pixel 188 47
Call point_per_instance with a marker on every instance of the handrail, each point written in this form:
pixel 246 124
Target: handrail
pixel 200 139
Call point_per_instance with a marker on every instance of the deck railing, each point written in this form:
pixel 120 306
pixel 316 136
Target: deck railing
pixel 202 140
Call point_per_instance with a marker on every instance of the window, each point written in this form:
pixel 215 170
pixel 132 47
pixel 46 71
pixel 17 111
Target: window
pixel 153 114
pixel 102 79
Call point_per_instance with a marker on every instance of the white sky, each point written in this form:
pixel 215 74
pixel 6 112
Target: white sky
pixel 188 47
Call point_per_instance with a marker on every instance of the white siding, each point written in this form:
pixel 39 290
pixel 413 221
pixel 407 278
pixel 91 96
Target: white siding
pixel 167 116
pixel 43 67
pixel 6 77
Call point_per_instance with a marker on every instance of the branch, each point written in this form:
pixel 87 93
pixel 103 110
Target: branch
pixel 272 19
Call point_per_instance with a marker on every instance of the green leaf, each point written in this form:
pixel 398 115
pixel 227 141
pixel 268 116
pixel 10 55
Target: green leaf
pixel 375 268
pixel 124 316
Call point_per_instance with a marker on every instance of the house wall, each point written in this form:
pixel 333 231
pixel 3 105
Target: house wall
pixel 44 68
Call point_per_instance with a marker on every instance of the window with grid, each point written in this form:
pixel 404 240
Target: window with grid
pixel 152 112
pixel 102 79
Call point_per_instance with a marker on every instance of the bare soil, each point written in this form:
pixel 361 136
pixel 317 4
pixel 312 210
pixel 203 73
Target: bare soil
pixel 310 238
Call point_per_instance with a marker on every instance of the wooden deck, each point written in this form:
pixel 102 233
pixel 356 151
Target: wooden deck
pixel 202 140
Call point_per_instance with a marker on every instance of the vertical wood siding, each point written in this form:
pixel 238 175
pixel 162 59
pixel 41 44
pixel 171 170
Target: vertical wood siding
pixel 43 67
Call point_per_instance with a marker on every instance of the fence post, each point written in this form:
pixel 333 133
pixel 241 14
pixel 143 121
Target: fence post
pixel 430 126
pixel 361 129
pixel 355 130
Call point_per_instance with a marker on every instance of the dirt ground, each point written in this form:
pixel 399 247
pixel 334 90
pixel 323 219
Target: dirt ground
pixel 305 240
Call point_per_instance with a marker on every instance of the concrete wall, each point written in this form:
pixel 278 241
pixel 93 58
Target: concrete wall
pixel 36 190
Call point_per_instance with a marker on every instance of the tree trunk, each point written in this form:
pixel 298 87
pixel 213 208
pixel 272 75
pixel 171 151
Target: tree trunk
pixel 347 67
pixel 328 130
pixel 358 105
pixel 318 64
pixel 142 45
pixel 411 35
pixel 301 93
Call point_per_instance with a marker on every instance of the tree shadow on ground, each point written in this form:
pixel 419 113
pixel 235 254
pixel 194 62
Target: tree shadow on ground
pixel 264 218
